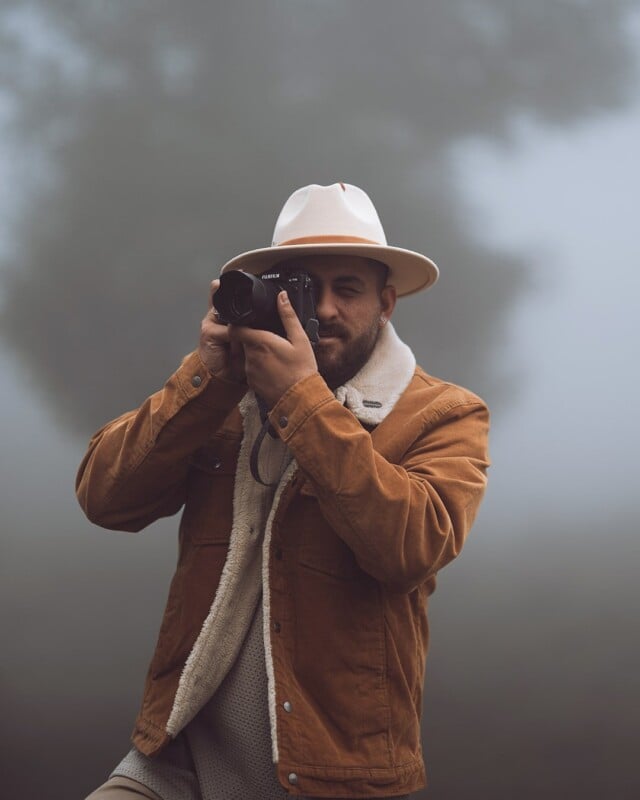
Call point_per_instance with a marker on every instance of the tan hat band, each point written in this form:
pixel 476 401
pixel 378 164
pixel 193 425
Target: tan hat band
pixel 326 239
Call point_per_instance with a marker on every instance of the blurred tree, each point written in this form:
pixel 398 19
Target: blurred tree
pixel 152 141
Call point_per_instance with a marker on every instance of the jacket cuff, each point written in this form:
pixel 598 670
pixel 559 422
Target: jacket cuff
pixel 197 383
pixel 298 403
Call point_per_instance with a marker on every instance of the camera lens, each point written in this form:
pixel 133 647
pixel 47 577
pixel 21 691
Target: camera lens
pixel 243 299
pixel 240 304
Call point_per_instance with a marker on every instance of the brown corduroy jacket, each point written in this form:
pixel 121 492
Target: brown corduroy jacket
pixel 385 483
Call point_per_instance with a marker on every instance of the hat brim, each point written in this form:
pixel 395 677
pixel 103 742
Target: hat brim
pixel 409 272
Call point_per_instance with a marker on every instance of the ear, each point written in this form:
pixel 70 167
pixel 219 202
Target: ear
pixel 387 303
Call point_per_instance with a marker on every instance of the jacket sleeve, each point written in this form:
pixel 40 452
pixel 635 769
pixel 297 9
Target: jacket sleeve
pixel 403 521
pixel 135 469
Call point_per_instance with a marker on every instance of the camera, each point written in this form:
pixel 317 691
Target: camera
pixel 244 299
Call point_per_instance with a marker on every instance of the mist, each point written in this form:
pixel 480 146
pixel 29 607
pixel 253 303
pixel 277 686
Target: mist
pixel 143 145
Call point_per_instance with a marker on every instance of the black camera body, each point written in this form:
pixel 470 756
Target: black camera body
pixel 244 299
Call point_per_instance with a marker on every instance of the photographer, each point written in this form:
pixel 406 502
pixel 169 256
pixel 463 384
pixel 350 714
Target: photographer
pixel 324 484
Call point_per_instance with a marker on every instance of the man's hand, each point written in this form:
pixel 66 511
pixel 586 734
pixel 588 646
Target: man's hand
pixel 223 358
pixel 274 364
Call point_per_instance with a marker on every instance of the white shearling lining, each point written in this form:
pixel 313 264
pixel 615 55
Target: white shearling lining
pixel 374 391
pixel 224 629
pixel 369 395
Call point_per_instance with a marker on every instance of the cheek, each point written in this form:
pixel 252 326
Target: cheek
pixel 361 316
pixel 368 321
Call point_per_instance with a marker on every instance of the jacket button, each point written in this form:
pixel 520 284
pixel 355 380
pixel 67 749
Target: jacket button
pixel 216 463
pixel 287 706
pixel 196 381
pixel 293 778
pixel 283 421
pixel 276 627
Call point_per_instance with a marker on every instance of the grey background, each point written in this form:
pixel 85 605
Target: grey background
pixel 145 143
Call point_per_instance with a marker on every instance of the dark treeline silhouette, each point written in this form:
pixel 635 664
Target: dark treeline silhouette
pixel 170 134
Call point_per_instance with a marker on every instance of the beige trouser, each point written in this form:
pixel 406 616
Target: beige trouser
pixel 119 788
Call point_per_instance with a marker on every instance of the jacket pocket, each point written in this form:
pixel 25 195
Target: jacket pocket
pixel 340 667
pixel 319 548
pixel 208 510
pixel 190 597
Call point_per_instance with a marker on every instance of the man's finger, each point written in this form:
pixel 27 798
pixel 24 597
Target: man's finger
pixel 212 290
pixel 214 331
pixel 292 327
pixel 252 336
pixel 237 356
pixel 212 313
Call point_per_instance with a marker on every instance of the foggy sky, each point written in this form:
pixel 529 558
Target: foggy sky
pixel 171 140
pixel 143 144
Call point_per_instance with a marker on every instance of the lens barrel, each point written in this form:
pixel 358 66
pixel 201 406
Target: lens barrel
pixel 244 299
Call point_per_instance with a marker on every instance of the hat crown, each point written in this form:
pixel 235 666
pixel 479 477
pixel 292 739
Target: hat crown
pixel 336 220
pixel 340 210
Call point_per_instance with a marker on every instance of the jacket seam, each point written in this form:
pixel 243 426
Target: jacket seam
pixel 135 465
pixel 143 453
pixel 433 382
pixel 386 672
pixel 151 724
pixel 308 414
pixel 437 415
pixel 371 771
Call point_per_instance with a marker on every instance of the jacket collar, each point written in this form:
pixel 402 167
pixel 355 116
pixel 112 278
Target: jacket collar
pixel 375 389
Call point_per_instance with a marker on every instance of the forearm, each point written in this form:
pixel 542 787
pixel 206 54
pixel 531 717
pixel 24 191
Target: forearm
pixel 404 520
pixel 136 466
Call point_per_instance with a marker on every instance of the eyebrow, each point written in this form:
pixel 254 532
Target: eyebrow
pixel 355 279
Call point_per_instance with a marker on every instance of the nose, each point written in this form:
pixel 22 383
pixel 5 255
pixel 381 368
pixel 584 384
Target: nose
pixel 325 304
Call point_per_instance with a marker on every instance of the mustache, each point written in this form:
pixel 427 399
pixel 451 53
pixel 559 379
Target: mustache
pixel 331 330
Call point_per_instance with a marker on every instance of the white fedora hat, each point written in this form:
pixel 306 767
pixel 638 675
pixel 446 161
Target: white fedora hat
pixel 337 220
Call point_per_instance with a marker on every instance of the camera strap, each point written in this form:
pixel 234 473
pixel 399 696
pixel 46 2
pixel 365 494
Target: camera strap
pixel 267 428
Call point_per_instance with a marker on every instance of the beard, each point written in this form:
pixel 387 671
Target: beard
pixel 338 363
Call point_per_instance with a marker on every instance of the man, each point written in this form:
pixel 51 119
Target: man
pixel 290 660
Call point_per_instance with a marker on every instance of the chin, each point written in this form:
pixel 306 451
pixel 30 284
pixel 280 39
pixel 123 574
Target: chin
pixel 336 374
pixel 339 362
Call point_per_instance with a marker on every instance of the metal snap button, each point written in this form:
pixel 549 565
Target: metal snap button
pixel 293 778
pixel 287 706
pixel 196 381
pixel 283 421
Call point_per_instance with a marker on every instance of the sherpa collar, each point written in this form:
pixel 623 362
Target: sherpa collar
pixel 374 391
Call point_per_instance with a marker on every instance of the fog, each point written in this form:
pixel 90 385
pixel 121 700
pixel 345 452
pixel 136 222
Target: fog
pixel 144 144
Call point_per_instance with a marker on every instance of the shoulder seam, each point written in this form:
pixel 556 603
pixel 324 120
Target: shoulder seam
pixel 465 395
